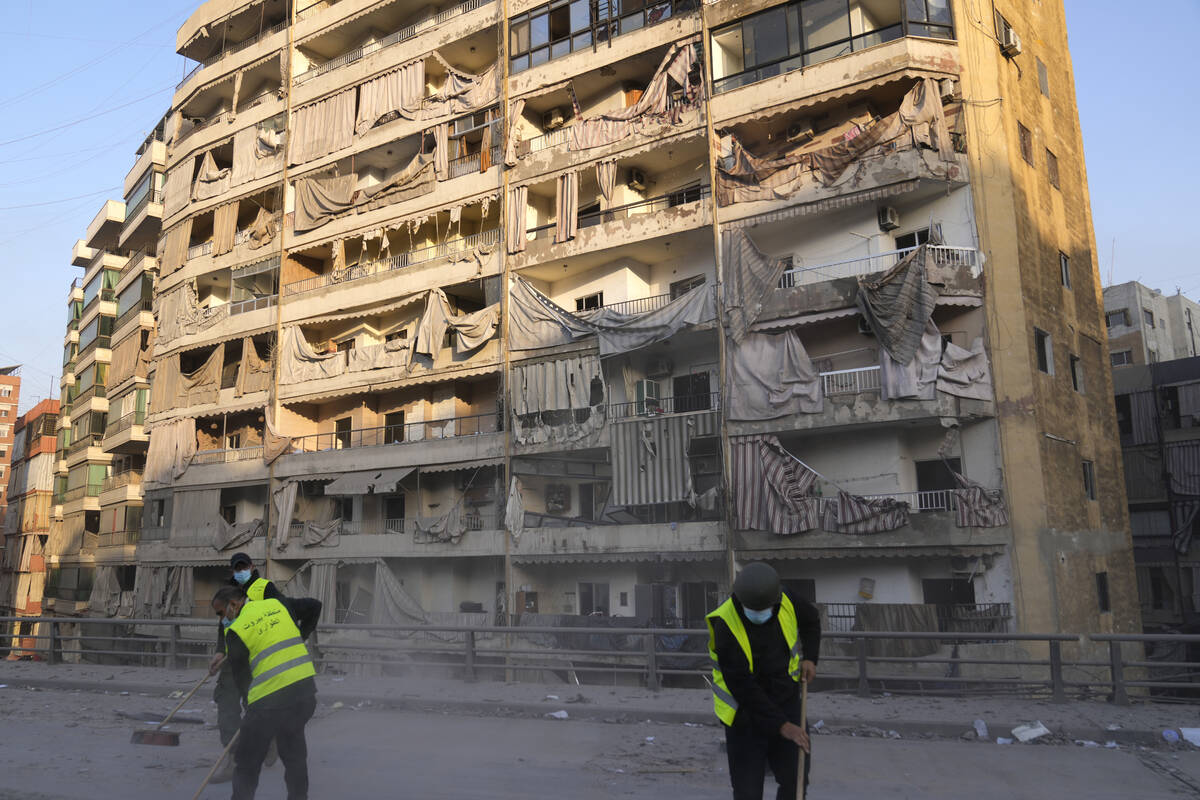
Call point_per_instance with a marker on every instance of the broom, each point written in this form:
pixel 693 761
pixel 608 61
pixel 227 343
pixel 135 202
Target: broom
pixel 157 735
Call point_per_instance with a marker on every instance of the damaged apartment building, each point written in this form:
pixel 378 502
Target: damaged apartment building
pixel 516 312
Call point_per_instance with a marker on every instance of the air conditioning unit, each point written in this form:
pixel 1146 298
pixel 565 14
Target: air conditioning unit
pixel 637 180
pixel 947 88
pixel 889 218
pixel 660 368
pixel 1010 43
pixel 800 132
pixel 553 119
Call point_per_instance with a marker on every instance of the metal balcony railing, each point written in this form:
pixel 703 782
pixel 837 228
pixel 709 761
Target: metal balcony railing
pixel 377 527
pixel 135 261
pixel 934 500
pixel 136 310
pixel 253 304
pixel 104 295
pixel 403 260
pixel 130 477
pixel 952 617
pixel 125 423
pixel 641 305
pixel 412 432
pixel 853 267
pixel 556 138
pixel 100 341
pixel 119 538
pixel 466 165
pixel 229 456
pixel 81 444
pixel 653 205
pixel 682 404
pixel 403 34
pixel 155 196
pixel 202 249
pixel 95 390
pixel 850 381
pixel 80 492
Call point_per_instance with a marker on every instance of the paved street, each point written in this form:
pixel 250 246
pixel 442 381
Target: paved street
pixel 70 746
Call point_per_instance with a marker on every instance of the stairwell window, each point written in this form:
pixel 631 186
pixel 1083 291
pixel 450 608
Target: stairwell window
pixel 1026 140
pixel 1052 168
pixel 1064 270
pixel 1089 480
pixel 1045 351
pixel 1077 373
pixel 1043 78
pixel 1102 599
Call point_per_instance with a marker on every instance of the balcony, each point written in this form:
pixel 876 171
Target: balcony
pixel 943 256
pixel 126 434
pixel 230 50
pixel 411 258
pixel 95 390
pixel 119 538
pixel 103 342
pixel 654 205
pixel 135 311
pixel 428 430
pixel 850 381
pixel 951 617
pixel 82 444
pixel 253 304
pixel 229 456
pixel 135 262
pixel 395 37
pixel 106 225
pixel 130 477
pixel 682 404
pixel 80 492
pixel 81 255
pixel 103 296
pixel 470 164
pixel 384 538
pixel 198 250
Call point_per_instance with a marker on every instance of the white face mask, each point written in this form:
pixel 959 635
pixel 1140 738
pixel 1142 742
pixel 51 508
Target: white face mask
pixel 759 617
pixel 241 576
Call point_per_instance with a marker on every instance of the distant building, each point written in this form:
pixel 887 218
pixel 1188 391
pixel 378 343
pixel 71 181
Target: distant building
pixel 10 398
pixel 1145 326
pixel 1158 415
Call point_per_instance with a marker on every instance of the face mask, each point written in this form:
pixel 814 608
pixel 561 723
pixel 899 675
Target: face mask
pixel 242 575
pixel 758 617
pixel 225 623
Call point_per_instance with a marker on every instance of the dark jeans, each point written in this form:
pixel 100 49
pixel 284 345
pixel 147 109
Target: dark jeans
pixel 750 751
pixel 286 725
pixel 229 704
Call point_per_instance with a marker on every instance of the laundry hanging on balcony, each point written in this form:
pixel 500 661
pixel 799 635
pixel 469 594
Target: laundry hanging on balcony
pixel 535 321
pixel 977 507
pixel 211 181
pixel 918 379
pixel 322 534
pixel 254 372
pixel 399 91
pixel 650 461
pixel 965 373
pixel 653 110
pixel 549 397
pixel 462 92
pixel 298 362
pixel 172 446
pixel 853 514
pixel 898 305
pixel 323 127
pixel 750 279
pixel 770 376
pixel 228 536
pixel 827 159
pixel 771 489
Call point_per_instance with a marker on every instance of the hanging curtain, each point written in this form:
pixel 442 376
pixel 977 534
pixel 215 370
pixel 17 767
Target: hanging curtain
pixel 606 176
pixel 224 228
pixel 515 226
pixel 441 141
pixel 567 207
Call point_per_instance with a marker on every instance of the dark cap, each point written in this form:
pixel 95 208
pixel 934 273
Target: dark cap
pixel 240 558
pixel 757 586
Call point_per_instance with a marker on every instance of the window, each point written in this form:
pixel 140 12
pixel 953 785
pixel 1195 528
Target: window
pixel 1043 78
pixel 688 194
pixel 346 346
pixel 393 431
pixel 345 508
pixel 553 30
pixel 3 412
pixel 624 601
pixel 1052 168
pixel 1077 374
pixel 1045 351
pixel 1148 317
pixel 912 239
pixel 341 428
pixel 935 480
pixel 3 452
pixel 1124 415
pixel 158 513
pixel 680 288
pixel 1102 592
pixel 692 392
pixel 1026 140
pixel 1116 318
pixel 229 514
pixel 393 507
pixel 589 302
pixel 1152 356
pixel 1064 271
pixel 5 391
pixel 1089 480
pixel 593 599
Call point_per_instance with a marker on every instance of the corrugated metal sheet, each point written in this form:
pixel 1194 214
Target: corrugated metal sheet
pixel 649 459
pixel 462 465
pixel 856 551
pixel 596 558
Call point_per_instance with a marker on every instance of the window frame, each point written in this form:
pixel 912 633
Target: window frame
pixel 1064 273
pixel 1043 77
pixel 1088 468
pixel 1043 345
pixel 1025 142
pixel 1076 364
pixel 1103 596
pixel 1052 168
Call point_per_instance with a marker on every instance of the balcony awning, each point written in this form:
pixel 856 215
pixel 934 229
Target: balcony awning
pixel 599 558
pixel 961 551
pixel 828 204
pixel 368 481
pixel 462 465
pixel 797 320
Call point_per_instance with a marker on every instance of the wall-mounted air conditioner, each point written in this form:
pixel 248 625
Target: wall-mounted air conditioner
pixel 801 131
pixel 553 119
pixel 889 218
pixel 637 180
pixel 1010 43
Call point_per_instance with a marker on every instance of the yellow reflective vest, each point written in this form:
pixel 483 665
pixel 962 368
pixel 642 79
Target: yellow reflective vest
pixel 257 589
pixel 278 657
pixel 724 703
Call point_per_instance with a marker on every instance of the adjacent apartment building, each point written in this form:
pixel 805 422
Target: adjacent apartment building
pixel 493 310
pixel 1145 326
pixel 10 397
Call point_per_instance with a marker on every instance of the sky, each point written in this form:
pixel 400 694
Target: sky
pixel 87 82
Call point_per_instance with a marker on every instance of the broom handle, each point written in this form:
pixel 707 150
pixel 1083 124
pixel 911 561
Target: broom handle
pixel 187 697
pixel 213 771
pixel 804 727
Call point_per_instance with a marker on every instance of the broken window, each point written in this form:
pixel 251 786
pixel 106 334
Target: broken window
pixel 1089 480
pixel 1052 168
pixel 1148 316
pixel 692 392
pixel 1043 78
pixel 1077 374
pixel 393 430
pixel 1115 318
pixel 1045 351
pixel 1124 414
pixel 1026 140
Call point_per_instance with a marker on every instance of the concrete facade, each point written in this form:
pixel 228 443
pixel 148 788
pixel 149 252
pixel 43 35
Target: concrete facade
pixel 246 262
pixel 1145 326
pixel 10 397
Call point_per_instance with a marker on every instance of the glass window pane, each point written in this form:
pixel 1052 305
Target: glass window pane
pixel 727 52
pixel 520 37
pixel 915 9
pixel 581 18
pixel 520 64
pixel 582 41
pixel 825 22
pixel 560 24
pixel 560 49
pixel 939 11
pixel 539 56
pixel 539 31
pixel 765 37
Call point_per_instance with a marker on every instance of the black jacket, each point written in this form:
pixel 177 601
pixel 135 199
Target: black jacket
pixel 270 593
pixel 306 613
pixel 767 695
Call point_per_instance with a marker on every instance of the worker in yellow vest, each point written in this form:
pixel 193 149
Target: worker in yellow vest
pixel 225 693
pixel 264 642
pixel 763 642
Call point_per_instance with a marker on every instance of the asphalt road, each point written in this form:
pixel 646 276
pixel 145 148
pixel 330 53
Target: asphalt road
pixel 69 746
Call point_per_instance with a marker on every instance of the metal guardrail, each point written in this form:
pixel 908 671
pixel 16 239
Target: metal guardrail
pixel 125 422
pixel 653 205
pixel 850 381
pixel 943 255
pixel 426 430
pixel 680 404
pixel 641 305
pixel 253 304
pixel 119 538
pixel 230 456
pixel 466 165
pixel 130 477
pixel 136 310
pixel 80 492
pixel 655 654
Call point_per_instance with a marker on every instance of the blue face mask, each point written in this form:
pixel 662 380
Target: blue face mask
pixel 241 576
pixel 759 617
pixel 225 623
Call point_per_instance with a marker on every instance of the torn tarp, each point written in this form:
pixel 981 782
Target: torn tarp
pixel 172 445
pixel 210 181
pixel 318 200
pixel 977 507
pixel 298 362
pixel 965 373
pixel 228 536
pixel 322 534
pixel 853 514
pixel 399 91
pixel 750 277
pixel 771 376
pixel 918 379
pixel 771 489
pixel 898 305
pixel 549 397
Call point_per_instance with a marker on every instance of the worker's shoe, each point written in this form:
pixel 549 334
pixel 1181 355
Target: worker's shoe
pixel 224 773
pixel 272 754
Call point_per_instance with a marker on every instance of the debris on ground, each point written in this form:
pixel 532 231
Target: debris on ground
pixel 1191 735
pixel 1030 732
pixel 1003 740
pixel 981 729
pixel 558 715
pixel 1170 735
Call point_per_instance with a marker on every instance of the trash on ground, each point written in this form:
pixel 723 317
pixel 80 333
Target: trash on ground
pixel 1086 743
pixel 1191 735
pixel 818 725
pixel 1111 745
pixel 550 697
pixel 1003 740
pixel 1171 735
pixel 558 715
pixel 981 729
pixel 1027 733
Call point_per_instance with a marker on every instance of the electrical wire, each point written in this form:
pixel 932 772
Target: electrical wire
pixel 56 202
pixel 88 118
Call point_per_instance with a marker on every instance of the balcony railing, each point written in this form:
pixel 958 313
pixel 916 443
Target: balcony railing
pixel 202 249
pixel 130 477
pixel 95 390
pixel 556 138
pixel 398 434
pixel 105 295
pixel 119 538
pixel 231 49
pixel 642 305
pixel 81 444
pixel 155 534
pixel 469 164
pixel 125 423
pixel 253 304
pixel 228 456
pixel 135 261
pixel 403 34
pixel 654 205
pixel 934 500
pixel 681 404
pixel 377 527
pixel 403 260
pixel 853 267
pixel 850 381
pixel 99 341
pixel 80 492
pixel 951 617
pixel 136 310
pixel 155 196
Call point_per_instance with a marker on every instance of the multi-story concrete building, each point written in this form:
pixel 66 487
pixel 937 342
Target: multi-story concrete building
pixel 1158 416
pixel 1145 326
pixel 10 398
pixel 27 525
pixel 500 309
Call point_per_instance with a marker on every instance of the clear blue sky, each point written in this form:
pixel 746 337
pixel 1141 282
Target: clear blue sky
pixel 68 62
